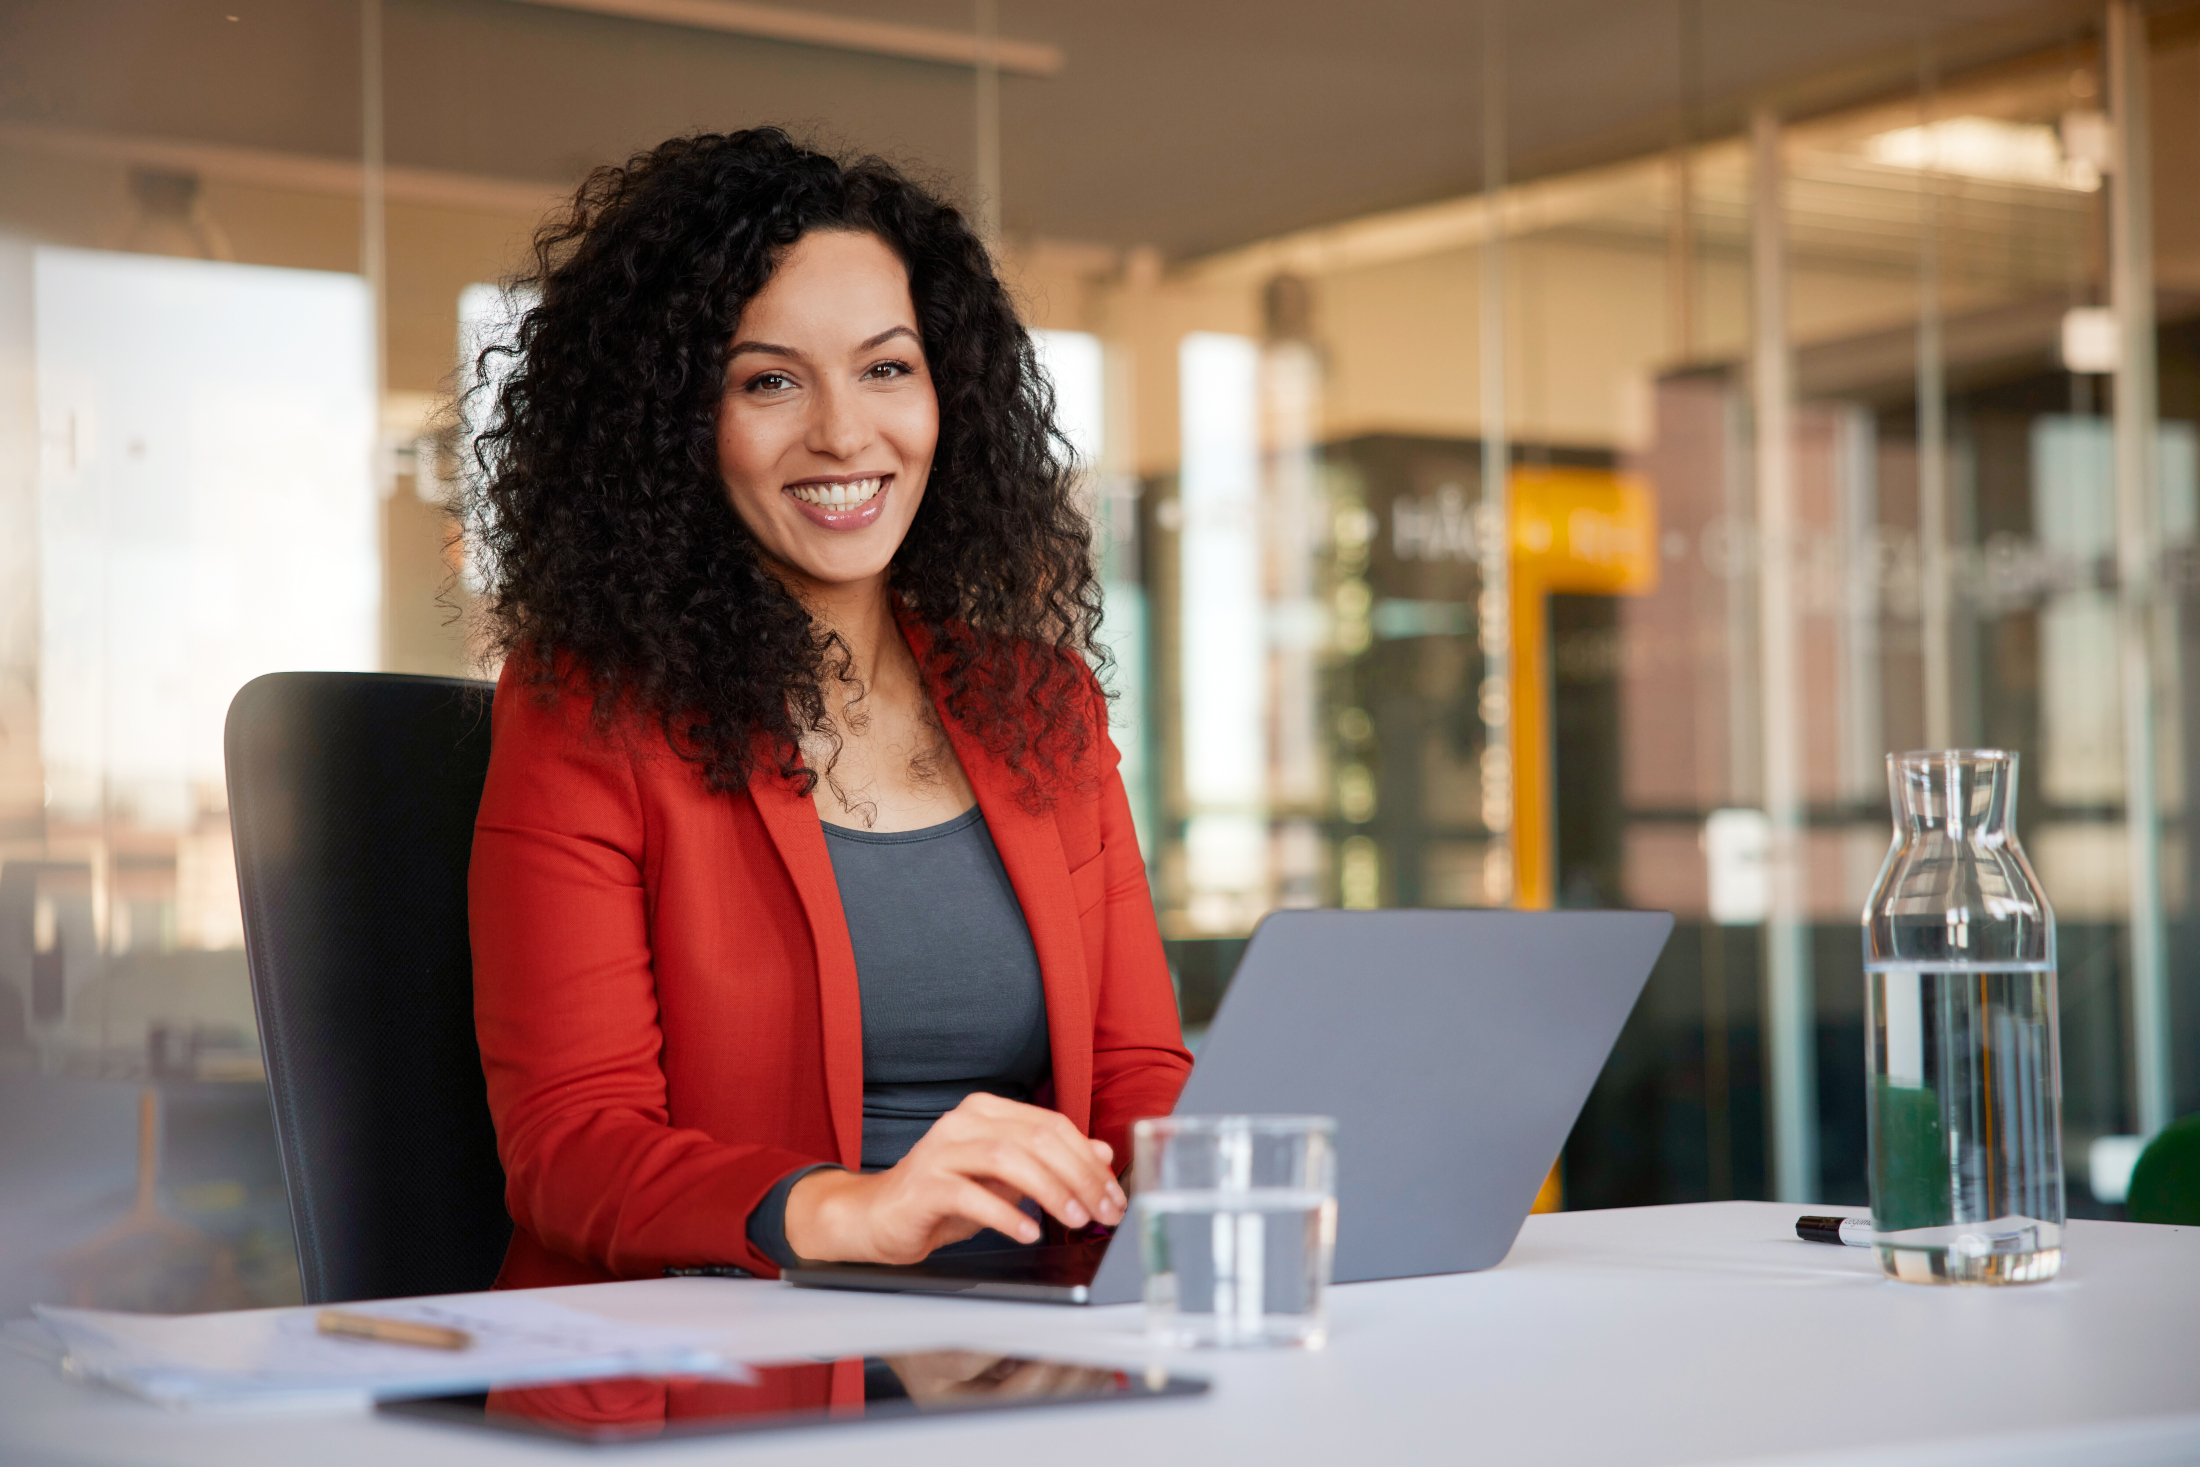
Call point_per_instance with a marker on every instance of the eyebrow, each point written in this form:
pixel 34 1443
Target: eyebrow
pixel 766 348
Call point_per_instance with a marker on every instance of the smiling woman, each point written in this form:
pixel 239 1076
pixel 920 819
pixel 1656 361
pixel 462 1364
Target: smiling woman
pixel 808 918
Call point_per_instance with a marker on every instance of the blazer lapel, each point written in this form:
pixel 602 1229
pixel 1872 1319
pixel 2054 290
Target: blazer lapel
pixel 793 823
pixel 1031 853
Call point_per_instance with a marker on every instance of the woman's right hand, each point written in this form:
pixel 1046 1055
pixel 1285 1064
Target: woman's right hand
pixel 967 1173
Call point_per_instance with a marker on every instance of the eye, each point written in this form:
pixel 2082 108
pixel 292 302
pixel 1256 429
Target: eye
pixel 886 371
pixel 768 382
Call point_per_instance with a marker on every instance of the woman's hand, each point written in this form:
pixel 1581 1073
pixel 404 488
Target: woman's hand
pixel 968 1172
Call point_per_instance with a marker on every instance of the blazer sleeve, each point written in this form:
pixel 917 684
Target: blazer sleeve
pixel 565 1006
pixel 1139 1062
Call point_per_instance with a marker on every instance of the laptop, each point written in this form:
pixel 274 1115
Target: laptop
pixel 1453 1048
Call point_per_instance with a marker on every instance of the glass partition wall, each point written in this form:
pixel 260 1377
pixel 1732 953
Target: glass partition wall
pixel 1825 431
pixel 1717 637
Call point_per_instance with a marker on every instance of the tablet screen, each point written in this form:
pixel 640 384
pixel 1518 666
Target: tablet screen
pixel 774 1395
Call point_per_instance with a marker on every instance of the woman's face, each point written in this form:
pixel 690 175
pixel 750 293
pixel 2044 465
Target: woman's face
pixel 826 431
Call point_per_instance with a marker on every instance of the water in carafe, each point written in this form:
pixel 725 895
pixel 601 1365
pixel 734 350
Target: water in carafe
pixel 1964 1068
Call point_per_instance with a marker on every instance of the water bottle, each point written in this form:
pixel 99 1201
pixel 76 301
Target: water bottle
pixel 1962 1056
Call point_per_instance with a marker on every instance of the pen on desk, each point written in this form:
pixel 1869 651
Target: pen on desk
pixel 1856 1232
pixel 392 1331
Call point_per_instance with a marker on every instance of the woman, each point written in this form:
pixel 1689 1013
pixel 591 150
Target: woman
pixel 808 920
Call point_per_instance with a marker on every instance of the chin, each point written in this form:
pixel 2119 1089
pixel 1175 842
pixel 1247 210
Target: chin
pixel 841 570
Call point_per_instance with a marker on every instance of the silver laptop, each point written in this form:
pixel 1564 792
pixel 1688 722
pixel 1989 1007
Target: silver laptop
pixel 1453 1048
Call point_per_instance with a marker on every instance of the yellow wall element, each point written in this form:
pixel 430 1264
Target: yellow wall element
pixel 1551 1196
pixel 1583 531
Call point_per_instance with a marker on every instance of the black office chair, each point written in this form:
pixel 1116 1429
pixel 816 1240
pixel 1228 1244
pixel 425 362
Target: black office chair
pixel 352 799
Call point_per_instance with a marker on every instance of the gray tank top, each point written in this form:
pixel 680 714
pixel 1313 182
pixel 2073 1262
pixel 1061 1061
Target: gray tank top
pixel 952 998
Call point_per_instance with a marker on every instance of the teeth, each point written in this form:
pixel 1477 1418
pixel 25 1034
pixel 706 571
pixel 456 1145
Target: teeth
pixel 837 496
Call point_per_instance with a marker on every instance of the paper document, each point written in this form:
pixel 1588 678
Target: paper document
pixel 277 1358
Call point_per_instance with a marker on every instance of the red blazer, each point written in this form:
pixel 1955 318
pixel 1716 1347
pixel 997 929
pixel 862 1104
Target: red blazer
pixel 666 996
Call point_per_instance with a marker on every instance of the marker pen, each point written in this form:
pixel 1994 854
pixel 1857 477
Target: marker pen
pixel 1856 1232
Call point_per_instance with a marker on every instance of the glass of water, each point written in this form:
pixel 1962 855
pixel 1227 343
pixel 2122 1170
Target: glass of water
pixel 1237 1224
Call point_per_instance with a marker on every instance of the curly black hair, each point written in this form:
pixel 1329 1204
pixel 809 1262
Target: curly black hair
pixel 605 534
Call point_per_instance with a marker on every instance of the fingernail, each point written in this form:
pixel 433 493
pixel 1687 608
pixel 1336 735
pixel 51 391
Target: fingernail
pixel 1028 1233
pixel 1115 1195
pixel 1075 1214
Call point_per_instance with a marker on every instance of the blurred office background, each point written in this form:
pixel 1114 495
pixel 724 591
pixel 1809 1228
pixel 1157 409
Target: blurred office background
pixel 1540 454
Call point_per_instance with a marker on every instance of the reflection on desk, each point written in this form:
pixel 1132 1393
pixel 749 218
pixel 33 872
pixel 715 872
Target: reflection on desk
pixel 776 1395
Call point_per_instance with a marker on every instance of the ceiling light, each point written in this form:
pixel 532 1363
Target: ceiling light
pixel 2089 339
pixel 1984 147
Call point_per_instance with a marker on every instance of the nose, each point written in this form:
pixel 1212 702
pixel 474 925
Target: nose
pixel 838 427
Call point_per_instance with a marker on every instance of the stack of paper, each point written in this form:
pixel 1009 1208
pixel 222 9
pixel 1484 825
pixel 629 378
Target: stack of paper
pixel 277 1358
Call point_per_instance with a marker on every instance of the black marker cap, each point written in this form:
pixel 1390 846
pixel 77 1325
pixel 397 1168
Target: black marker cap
pixel 1819 1230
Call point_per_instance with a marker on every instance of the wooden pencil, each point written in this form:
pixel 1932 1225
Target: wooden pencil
pixel 392 1331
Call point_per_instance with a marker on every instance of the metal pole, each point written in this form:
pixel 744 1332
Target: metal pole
pixel 1932 439
pixel 1494 542
pixel 1681 237
pixel 373 261
pixel 2138 545
pixel 1863 777
pixel 989 123
pixel 1788 1002
pixel 374 266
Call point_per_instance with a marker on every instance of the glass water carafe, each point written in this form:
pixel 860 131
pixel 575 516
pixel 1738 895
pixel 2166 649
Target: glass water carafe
pixel 1964 1067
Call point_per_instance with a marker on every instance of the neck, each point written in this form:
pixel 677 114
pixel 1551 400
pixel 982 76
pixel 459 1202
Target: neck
pixel 862 614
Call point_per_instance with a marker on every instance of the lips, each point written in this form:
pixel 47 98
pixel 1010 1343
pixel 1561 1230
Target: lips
pixel 841 504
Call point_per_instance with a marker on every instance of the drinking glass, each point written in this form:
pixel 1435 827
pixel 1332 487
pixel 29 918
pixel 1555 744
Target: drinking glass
pixel 1237 1225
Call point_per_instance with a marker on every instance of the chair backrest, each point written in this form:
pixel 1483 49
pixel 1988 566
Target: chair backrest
pixel 352 800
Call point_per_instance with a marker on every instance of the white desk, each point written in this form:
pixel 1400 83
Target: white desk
pixel 1660 1335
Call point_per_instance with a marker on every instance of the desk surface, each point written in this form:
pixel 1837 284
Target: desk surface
pixel 1704 1333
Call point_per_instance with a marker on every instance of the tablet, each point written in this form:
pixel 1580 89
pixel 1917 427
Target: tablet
pixel 778 1395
